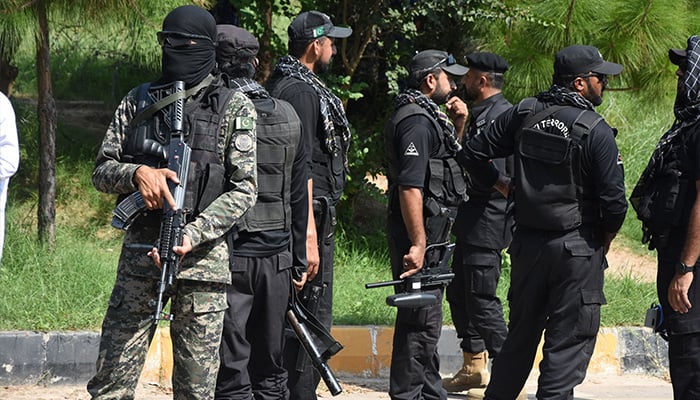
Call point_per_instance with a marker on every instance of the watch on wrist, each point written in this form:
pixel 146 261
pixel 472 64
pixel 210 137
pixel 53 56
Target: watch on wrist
pixel 682 268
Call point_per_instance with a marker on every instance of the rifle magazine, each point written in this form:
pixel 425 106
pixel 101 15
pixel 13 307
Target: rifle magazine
pixel 127 210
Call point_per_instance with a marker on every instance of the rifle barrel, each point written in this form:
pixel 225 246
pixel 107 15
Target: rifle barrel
pixel 383 284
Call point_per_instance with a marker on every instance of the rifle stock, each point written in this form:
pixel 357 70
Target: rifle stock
pixel 313 291
pixel 303 324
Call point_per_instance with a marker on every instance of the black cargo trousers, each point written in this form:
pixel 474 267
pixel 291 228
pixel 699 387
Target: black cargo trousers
pixel 556 287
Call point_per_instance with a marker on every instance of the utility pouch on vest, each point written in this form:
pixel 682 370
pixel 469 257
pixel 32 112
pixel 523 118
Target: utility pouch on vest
pixel 549 182
pixel 662 207
pixel 446 181
pixel 543 146
pixel 207 178
pixel 213 183
pixel 438 226
pixel 668 206
pixel 144 144
pixel 662 196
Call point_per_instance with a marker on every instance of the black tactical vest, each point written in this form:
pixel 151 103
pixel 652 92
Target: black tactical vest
pixel 149 140
pixel 444 188
pixel 278 131
pixel 548 184
pixel 665 193
pixel 328 169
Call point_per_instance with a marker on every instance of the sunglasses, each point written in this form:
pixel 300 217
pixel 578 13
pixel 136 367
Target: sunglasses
pixel 178 39
pixel 449 60
pixel 601 77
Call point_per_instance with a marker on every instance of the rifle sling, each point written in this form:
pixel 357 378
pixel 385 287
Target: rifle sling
pixel 167 100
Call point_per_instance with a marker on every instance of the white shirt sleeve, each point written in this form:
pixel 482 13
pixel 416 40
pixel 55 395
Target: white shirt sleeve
pixel 9 145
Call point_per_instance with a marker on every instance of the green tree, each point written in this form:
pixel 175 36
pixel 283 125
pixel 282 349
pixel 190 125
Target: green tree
pixel 370 64
pixel 634 33
pixel 22 16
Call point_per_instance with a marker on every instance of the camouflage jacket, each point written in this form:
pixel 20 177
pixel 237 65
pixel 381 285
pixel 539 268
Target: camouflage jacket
pixel 208 261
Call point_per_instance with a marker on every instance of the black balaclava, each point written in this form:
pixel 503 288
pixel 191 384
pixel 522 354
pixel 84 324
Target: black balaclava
pixel 190 63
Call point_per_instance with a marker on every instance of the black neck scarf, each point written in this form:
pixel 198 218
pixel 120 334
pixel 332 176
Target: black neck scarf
pixel 415 96
pixel 335 122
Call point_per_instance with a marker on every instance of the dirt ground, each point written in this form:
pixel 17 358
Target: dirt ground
pixel 598 386
pixel 353 388
pixel 622 261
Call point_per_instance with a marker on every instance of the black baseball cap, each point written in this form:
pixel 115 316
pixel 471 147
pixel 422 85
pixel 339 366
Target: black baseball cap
pixel 487 62
pixel 677 56
pixel 579 59
pixel 311 25
pixel 428 60
pixel 234 41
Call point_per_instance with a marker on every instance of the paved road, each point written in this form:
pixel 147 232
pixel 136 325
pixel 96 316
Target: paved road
pixel 595 387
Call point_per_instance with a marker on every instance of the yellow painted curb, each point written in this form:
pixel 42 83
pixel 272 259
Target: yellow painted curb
pixel 366 352
pixel 158 368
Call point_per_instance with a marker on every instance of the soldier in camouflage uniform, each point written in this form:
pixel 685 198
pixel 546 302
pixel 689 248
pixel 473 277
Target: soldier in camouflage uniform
pixel 219 124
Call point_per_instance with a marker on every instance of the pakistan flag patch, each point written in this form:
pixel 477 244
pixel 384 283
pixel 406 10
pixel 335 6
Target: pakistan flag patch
pixel 243 123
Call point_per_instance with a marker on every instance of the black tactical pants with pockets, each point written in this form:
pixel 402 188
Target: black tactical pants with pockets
pixel 556 287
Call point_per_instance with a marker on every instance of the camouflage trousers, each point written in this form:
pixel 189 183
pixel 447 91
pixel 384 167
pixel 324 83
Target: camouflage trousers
pixel 127 331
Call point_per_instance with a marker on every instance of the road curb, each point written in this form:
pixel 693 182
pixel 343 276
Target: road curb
pixel 30 358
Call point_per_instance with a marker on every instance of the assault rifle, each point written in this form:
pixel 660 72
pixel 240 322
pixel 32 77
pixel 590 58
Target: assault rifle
pixel 310 331
pixel 436 272
pixel 173 221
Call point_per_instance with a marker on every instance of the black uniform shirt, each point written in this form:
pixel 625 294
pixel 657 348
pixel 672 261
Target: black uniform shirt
pixel 415 140
pixel 602 172
pixel 306 102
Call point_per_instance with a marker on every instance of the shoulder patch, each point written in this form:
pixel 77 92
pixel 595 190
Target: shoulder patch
pixel 411 150
pixel 243 123
pixel 243 142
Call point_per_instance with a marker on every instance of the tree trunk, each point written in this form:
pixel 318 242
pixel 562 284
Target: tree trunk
pixel 46 111
pixel 8 74
pixel 265 54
